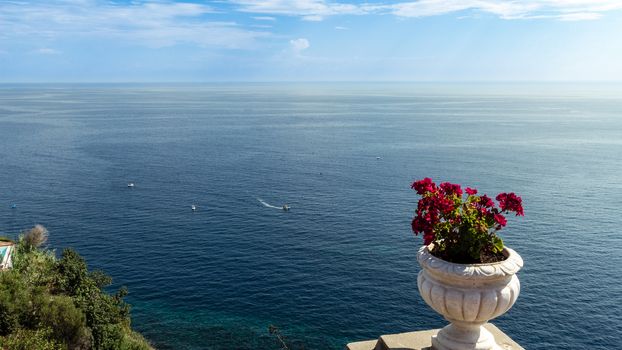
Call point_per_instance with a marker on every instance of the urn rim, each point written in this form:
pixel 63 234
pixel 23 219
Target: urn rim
pixel 500 269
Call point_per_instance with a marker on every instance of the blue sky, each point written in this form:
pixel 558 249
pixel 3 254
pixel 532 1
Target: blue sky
pixel 310 40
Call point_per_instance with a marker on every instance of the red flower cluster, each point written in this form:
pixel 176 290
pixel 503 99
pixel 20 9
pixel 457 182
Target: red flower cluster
pixel 451 189
pixel 500 219
pixel 443 216
pixel 486 202
pixel 423 186
pixel 511 202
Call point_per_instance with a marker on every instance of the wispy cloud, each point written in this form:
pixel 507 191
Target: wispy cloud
pixel 155 24
pixel 310 10
pixel 317 10
pixel 166 22
pixel 528 9
pixel 299 45
pixel 579 16
pixel 46 51
pixel 264 18
pixel 426 8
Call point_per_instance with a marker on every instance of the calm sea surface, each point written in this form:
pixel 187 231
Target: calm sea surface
pixel 340 266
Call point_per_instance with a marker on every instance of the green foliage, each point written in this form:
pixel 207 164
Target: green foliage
pixel 100 278
pixel 27 306
pixel 13 301
pixel 36 267
pixel 105 314
pixel 72 273
pixel 66 321
pixel 133 341
pixel 49 304
pixel 28 339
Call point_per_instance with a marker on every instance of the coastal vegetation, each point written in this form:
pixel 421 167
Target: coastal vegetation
pixel 50 303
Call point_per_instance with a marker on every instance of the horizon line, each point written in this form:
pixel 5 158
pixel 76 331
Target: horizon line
pixel 315 82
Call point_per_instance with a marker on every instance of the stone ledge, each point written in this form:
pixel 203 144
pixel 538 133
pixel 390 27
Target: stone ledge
pixel 422 340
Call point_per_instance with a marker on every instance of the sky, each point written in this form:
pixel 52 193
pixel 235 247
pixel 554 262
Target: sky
pixel 310 40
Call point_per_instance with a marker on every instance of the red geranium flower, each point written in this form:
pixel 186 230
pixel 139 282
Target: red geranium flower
pixel 486 202
pixel 510 202
pixel 423 186
pixel 500 219
pixel 449 189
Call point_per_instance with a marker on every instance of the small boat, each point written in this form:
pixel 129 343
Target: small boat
pixel 194 207
pixel 285 207
pixel 130 185
pixel 378 158
pixel 13 206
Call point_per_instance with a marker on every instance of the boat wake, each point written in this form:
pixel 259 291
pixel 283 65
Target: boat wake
pixel 268 205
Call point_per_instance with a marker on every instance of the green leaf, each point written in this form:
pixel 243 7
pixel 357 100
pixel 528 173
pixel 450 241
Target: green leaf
pixel 498 244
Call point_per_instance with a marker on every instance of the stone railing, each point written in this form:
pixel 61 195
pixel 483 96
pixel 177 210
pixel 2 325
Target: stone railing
pixel 422 340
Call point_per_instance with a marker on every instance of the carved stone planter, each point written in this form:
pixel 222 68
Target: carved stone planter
pixel 468 296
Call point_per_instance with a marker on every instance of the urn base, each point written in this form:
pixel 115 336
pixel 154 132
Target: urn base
pixel 464 337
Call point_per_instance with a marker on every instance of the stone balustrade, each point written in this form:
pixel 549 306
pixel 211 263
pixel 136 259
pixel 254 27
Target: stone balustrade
pixel 422 340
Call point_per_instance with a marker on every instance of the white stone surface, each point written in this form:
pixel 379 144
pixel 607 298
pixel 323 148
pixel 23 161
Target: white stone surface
pixel 468 296
pixel 422 340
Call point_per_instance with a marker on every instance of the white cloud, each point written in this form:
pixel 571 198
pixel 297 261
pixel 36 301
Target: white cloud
pixel 166 23
pixel 46 51
pixel 317 10
pixel 579 16
pixel 154 24
pixel 341 28
pixel 299 45
pixel 426 8
pixel 528 9
pixel 313 18
pixel 264 18
pixel 310 10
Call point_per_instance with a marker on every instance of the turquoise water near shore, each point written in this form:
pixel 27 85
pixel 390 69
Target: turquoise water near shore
pixel 340 266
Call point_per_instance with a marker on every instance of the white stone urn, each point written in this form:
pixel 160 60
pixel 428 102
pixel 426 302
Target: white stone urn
pixel 468 296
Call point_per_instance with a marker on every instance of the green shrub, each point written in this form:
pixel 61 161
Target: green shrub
pixel 100 278
pixel 52 304
pixel 36 267
pixel 66 321
pixel 14 298
pixel 28 339
pixel 134 341
pixel 72 272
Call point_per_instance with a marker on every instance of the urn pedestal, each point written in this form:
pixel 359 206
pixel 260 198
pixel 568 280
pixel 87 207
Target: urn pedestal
pixel 468 296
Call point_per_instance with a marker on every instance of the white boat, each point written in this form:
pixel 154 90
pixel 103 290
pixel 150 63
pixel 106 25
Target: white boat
pixel 131 184
pixel 194 207
pixel 285 207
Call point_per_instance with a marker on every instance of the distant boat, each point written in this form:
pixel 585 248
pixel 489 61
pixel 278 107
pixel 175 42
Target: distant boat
pixel 130 185
pixel 13 206
pixel 194 207
pixel 378 158
pixel 285 207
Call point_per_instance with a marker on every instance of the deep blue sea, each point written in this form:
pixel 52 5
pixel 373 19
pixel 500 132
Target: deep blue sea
pixel 339 266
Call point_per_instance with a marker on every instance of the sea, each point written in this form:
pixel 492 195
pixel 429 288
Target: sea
pixel 340 265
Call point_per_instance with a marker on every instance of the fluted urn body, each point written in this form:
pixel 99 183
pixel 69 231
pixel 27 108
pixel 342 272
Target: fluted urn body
pixel 468 296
